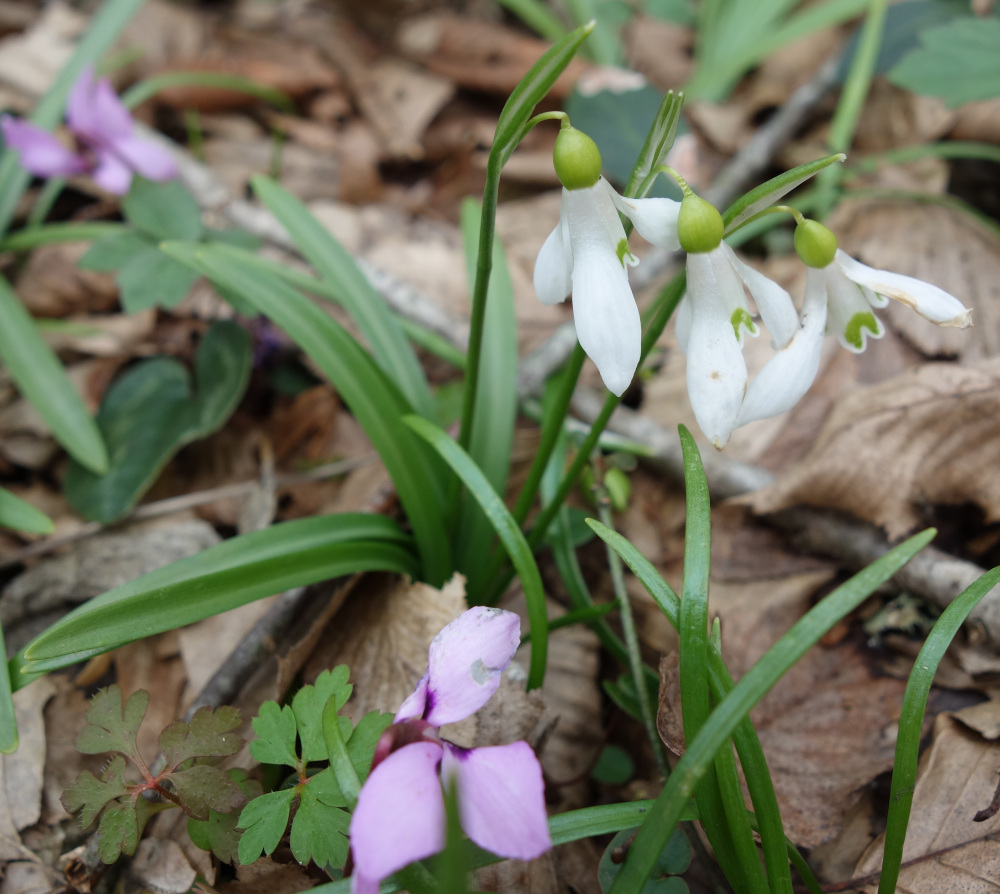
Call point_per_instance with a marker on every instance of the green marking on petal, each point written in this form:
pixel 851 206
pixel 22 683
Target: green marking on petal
pixel 742 318
pixel 623 251
pixel 853 332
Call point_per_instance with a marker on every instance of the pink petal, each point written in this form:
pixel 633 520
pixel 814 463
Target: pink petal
pixel 415 704
pixel 41 153
pixel 146 158
pixel 400 814
pixel 466 660
pixel 501 798
pixel 95 112
pixel 111 173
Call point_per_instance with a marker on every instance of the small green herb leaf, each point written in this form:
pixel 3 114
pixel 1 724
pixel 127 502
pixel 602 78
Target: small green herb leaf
pixel 264 820
pixel 275 729
pixel 209 734
pixel 361 744
pixel 319 829
pixel 118 832
pixel 163 210
pixel 203 789
pixel 109 726
pixel 89 794
pixel 114 252
pixel 308 706
pixel 151 279
pixel 218 833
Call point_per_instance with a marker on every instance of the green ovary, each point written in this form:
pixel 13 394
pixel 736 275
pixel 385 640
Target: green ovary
pixel 742 318
pixel 623 251
pixel 853 334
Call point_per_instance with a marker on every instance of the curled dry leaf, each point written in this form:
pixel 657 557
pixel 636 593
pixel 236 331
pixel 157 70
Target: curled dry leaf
pixel 939 245
pixel 928 436
pixel 946 850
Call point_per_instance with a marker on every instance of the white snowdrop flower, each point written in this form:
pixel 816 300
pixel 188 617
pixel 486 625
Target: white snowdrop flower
pixel 587 254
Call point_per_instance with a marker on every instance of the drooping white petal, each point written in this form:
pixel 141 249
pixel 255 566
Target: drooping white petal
pixel 729 287
pixel 604 196
pixel 682 324
pixel 788 375
pixel 555 264
pixel 929 301
pixel 716 372
pixel 501 798
pixel 776 307
pixel 655 219
pixel 607 319
pixel 850 314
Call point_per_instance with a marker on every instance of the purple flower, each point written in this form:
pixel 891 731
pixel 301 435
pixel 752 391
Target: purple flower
pixel 106 146
pixel 400 815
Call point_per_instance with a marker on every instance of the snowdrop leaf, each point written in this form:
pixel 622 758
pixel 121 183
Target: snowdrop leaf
pixel 22 516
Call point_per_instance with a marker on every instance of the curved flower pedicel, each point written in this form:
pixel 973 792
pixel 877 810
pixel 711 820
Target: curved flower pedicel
pixel 400 816
pixel 588 254
pixel 845 293
pixel 106 146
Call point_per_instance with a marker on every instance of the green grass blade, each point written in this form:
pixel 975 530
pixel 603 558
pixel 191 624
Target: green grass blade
pixel 747 743
pixel 49 234
pixel 22 516
pixel 216 80
pixel 495 408
pixel 367 307
pixel 376 403
pixel 8 721
pixel 738 858
pixel 507 530
pixel 40 377
pixel 102 32
pixel 537 16
pixel 768 193
pixel 722 722
pixel 904 774
pixel 222 577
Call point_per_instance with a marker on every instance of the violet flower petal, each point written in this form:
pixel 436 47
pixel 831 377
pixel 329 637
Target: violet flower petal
pixel 415 704
pixel 95 112
pixel 501 798
pixel 400 814
pixel 111 173
pixel 41 153
pixel 466 660
pixel 146 158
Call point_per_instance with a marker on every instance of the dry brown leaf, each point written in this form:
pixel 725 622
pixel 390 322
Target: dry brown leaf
pixel 105 336
pixel 978 121
pixel 479 55
pixel 828 726
pixel 945 849
pixel 659 50
pixel 936 244
pixel 29 62
pixel 984 718
pixel 265 876
pixel 51 285
pixel 889 450
pixel 894 117
pixel 160 865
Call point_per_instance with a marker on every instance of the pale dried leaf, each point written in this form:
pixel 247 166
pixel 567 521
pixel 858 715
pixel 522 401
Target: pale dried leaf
pixel 945 849
pixel 669 723
pixel 888 451
pixel 984 718
pixel 659 50
pixel 105 336
pixel 160 865
pixel 30 61
pixel 978 121
pixel 939 245
pixel 893 117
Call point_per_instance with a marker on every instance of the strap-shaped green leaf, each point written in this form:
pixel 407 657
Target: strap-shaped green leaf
pixel 377 404
pixel 222 577
pixel 390 347
pixel 40 377
pixel 22 516
pixel 737 704
pixel 507 530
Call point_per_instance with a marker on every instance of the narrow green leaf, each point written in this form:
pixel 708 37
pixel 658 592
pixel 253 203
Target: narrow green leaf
pixel 390 347
pixel 737 704
pixel 336 749
pixel 537 16
pixel 138 93
pixel 904 773
pixel 22 516
pixel 377 404
pixel 40 377
pixel 8 719
pixel 507 530
pixel 496 404
pixel 531 89
pixel 222 577
pixel 51 234
pixel 149 414
pixel 657 144
pixel 102 31
pixel 768 193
